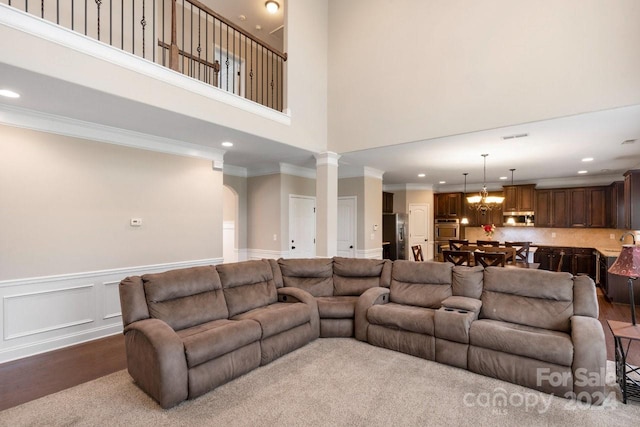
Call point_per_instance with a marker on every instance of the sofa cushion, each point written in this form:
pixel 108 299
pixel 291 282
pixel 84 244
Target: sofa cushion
pixel 185 297
pixel 278 317
pixel 467 281
pixel 405 317
pixel 351 276
pixel 312 275
pixel 538 298
pixel 337 307
pixel 214 339
pixel 423 284
pixel 247 285
pixel 535 343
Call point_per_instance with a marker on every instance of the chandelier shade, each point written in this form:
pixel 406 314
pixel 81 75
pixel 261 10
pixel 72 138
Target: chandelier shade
pixel 484 202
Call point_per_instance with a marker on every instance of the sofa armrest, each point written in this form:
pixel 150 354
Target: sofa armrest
pixel 463 303
pixel 289 294
pixel 370 297
pixel 589 359
pixel 156 361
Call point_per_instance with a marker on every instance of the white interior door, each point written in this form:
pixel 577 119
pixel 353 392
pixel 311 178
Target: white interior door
pixel 419 229
pixel 302 227
pixel 347 226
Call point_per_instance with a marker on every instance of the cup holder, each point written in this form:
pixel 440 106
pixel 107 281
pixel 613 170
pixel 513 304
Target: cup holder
pixel 449 309
pixel 463 311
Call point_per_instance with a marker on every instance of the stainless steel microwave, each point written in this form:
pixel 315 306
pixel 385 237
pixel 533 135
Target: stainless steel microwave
pixel 518 219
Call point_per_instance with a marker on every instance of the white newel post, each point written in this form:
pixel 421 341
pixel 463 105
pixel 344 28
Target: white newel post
pixel 327 204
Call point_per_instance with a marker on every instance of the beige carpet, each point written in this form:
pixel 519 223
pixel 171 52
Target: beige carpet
pixel 328 382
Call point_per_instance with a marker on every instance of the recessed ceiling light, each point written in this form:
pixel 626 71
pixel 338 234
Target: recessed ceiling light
pixel 442 182
pixel 588 159
pixel 582 172
pixel 227 144
pixel 9 93
pixel 421 175
pixel 503 178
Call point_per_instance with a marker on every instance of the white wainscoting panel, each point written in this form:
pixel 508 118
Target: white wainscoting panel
pixel 41 314
pixel 369 253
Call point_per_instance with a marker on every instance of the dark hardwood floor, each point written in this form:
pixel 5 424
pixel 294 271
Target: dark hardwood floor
pixel 33 377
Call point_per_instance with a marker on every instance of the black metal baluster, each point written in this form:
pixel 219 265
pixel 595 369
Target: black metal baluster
pixel 122 24
pixel 110 22
pixel 199 49
pixel 272 68
pixel 153 33
pixel 143 22
pixel 42 8
pixel 98 4
pixel 233 80
pixel 227 61
pixel 206 47
pixel 133 27
pixel 251 73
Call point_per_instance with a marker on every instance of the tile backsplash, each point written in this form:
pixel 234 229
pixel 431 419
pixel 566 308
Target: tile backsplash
pixel 576 237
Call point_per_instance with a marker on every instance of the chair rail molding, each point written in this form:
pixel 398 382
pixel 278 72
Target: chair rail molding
pixel 41 314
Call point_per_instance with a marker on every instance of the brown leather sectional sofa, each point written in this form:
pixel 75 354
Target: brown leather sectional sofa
pixel 188 331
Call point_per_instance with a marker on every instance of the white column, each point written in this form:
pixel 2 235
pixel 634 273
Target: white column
pixel 326 204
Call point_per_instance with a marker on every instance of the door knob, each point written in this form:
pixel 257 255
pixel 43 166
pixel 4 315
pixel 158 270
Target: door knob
pixel 351 247
pixel 293 247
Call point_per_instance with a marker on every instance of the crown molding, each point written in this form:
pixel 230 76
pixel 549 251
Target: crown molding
pixel 29 119
pixel 294 170
pixel 408 187
pixel 235 171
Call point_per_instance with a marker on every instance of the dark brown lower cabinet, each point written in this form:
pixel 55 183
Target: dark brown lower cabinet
pixel 571 260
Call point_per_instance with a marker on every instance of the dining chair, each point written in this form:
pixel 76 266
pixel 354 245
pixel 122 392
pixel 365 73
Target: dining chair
pixel 490 259
pixel 522 251
pixel 456 245
pixel 493 243
pixel 457 257
pixel 417 253
pixel 509 253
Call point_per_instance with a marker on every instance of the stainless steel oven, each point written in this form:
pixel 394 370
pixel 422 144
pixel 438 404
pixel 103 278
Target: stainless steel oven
pixel 445 230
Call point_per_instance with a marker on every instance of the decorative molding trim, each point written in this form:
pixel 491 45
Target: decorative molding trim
pixel 327 158
pixel 234 171
pixel 375 253
pixel 29 24
pixel 127 271
pixel 29 119
pixel 217 165
pixel 242 254
pixel 263 171
pixel 408 187
pixel 265 253
pixel 372 173
pixel 294 170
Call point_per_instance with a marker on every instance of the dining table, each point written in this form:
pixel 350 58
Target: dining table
pixel 510 254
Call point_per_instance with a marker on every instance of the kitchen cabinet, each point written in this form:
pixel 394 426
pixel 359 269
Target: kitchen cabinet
pixel 632 200
pixel 448 205
pixel 616 205
pixel 615 287
pixel 575 260
pixel 552 208
pixel 588 207
pixel 519 198
pixel 387 202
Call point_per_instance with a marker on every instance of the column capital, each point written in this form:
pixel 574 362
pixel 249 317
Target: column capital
pixel 327 158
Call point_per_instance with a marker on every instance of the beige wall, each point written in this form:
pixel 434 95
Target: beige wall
pixel 239 186
pixel 263 212
pixel 450 67
pixel 66 206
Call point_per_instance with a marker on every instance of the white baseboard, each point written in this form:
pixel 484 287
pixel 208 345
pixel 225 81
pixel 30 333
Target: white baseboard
pixel 41 314
pixel 375 253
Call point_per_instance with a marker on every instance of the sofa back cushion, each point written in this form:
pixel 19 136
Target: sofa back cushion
pixel 422 284
pixel 185 297
pixel 247 285
pixel 353 276
pixel 538 298
pixel 312 275
pixel 467 281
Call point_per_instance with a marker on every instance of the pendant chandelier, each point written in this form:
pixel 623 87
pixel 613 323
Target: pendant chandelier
pixel 483 202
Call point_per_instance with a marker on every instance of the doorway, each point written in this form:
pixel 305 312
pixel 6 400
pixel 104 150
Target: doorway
pixel 419 229
pixel 229 225
pixel 302 227
pixel 347 226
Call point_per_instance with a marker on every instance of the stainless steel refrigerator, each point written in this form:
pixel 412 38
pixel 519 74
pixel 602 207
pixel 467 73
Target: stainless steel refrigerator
pixel 394 235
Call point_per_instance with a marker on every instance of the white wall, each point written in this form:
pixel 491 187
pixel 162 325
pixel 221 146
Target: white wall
pixel 434 68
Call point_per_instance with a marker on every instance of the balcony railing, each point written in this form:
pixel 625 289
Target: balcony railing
pixel 184 35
